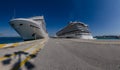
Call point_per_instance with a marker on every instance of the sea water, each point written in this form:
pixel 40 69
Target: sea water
pixel 5 40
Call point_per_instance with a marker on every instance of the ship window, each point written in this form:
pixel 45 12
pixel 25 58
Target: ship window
pixel 33 34
pixel 34 26
pixel 12 24
pixel 20 24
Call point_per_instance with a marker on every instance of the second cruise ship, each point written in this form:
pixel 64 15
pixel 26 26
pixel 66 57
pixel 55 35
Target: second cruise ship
pixel 75 30
pixel 30 28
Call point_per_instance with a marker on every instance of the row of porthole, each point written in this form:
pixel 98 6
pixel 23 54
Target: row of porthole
pixel 30 25
pixel 19 24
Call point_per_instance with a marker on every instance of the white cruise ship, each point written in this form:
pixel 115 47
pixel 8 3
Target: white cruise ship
pixel 30 28
pixel 75 30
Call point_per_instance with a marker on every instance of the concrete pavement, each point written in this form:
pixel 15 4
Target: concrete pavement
pixel 15 58
pixel 64 54
pixel 67 54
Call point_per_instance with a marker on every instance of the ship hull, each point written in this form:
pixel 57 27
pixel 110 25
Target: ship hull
pixel 28 29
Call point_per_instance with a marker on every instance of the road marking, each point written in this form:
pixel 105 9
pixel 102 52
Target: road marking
pixel 14 44
pixel 2 45
pixel 36 47
pixel 8 45
pixel 5 57
pixel 29 57
pixel 26 49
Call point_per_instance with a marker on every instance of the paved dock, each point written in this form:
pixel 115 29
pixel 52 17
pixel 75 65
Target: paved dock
pixel 62 54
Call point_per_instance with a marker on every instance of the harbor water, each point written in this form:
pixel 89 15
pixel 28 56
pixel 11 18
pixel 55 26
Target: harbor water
pixel 5 40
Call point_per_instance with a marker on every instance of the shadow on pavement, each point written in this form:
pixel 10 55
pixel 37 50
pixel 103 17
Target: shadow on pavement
pixel 17 66
pixel 7 61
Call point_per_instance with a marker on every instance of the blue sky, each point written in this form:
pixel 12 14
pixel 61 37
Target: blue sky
pixel 102 16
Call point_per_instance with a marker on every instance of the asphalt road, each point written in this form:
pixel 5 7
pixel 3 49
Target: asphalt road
pixel 68 54
pixel 65 54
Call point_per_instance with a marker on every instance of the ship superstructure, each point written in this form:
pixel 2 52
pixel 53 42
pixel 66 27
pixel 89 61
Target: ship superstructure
pixel 75 30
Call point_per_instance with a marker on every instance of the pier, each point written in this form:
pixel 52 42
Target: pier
pixel 61 54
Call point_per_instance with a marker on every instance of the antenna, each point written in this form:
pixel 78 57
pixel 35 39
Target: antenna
pixel 71 17
pixel 14 13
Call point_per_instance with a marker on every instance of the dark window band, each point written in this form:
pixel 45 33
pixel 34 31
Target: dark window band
pixel 34 26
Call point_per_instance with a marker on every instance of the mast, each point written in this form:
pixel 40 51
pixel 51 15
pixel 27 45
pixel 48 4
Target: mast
pixel 14 13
